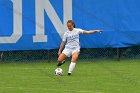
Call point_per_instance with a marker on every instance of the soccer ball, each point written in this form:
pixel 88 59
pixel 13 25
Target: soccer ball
pixel 58 72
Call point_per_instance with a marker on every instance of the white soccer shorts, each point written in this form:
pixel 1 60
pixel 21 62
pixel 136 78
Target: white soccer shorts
pixel 68 51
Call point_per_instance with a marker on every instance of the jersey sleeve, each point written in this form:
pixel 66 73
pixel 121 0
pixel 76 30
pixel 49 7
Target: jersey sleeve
pixel 80 31
pixel 64 37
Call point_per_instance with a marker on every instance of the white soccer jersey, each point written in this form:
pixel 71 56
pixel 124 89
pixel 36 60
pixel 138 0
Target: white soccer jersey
pixel 72 38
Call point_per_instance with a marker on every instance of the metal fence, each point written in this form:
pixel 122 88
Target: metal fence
pixel 86 55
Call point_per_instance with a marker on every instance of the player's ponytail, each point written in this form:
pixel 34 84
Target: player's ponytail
pixel 72 22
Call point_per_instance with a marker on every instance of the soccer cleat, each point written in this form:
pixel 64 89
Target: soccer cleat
pixel 59 64
pixel 69 74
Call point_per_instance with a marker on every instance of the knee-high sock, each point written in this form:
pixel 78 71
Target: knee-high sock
pixel 71 67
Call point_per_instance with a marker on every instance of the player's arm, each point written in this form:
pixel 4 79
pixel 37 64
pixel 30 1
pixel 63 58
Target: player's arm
pixel 91 31
pixel 61 47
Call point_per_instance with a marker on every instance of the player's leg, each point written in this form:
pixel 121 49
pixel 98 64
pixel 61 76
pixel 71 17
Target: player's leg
pixel 73 62
pixel 61 59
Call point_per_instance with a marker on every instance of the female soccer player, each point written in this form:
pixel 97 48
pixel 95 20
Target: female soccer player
pixel 72 46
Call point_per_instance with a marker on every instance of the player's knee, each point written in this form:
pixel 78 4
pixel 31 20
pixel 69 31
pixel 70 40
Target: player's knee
pixel 74 59
pixel 59 60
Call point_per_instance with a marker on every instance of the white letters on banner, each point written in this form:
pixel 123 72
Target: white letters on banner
pixel 17 29
pixel 41 6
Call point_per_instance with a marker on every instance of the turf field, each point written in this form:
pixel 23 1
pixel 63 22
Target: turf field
pixel 88 77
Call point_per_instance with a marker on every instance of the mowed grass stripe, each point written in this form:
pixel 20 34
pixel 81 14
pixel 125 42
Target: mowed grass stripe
pixel 94 77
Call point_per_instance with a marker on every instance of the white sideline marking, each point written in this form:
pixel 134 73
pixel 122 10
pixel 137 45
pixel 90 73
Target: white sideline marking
pixel 23 88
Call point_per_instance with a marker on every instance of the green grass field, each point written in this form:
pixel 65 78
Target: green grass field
pixel 88 77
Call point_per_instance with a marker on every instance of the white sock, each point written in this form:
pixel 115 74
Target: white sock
pixel 71 67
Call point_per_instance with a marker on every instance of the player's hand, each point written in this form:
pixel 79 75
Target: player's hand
pixel 59 52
